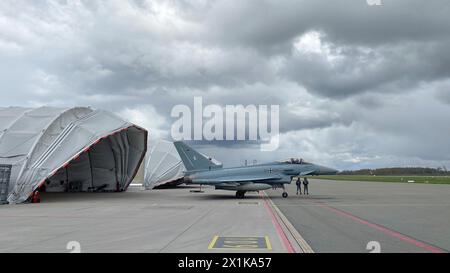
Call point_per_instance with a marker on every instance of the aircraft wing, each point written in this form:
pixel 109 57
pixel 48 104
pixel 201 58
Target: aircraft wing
pixel 306 172
pixel 238 179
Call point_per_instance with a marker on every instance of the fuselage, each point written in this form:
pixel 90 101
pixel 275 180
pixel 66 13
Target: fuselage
pixel 204 170
pixel 270 173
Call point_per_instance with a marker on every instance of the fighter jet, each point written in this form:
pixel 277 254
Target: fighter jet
pixel 204 170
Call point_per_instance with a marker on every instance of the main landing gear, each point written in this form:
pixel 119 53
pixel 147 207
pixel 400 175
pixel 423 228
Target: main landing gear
pixel 240 194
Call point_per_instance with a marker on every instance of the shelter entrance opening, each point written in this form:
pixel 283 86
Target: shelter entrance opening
pixel 108 165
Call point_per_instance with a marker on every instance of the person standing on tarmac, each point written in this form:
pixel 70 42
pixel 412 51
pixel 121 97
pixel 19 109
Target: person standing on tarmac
pixel 305 185
pixel 299 186
pixel 36 197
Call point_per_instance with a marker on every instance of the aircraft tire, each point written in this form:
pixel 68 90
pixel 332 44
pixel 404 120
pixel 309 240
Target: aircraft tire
pixel 240 194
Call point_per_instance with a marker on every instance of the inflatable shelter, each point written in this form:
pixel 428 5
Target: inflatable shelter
pixel 66 150
pixel 163 166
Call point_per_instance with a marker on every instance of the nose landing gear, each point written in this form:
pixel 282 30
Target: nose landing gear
pixel 285 194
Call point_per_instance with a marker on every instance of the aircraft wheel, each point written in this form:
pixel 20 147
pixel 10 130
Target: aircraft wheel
pixel 240 194
pixel 285 194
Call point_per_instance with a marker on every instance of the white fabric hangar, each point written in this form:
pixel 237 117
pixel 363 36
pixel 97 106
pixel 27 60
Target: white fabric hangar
pixel 66 150
pixel 163 165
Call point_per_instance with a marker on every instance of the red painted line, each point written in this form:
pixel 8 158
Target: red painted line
pixel 382 229
pixel 277 225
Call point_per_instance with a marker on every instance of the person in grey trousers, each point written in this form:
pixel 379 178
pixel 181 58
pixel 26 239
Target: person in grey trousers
pixel 305 186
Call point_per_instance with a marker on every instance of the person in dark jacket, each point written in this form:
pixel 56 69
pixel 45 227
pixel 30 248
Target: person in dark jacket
pixel 299 185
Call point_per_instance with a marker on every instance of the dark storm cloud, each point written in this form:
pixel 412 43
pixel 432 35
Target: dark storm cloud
pixel 290 121
pixel 442 91
pixel 271 23
pixel 393 46
pixel 379 69
pixel 353 81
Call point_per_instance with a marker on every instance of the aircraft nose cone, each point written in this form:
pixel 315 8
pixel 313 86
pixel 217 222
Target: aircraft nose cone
pixel 327 171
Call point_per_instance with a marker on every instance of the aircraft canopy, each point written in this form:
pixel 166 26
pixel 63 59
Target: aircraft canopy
pixel 299 161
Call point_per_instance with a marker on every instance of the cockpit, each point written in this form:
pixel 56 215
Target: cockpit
pixel 294 161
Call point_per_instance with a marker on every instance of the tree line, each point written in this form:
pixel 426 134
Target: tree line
pixel 412 171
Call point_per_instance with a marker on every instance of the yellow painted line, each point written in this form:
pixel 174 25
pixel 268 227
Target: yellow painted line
pixel 302 243
pixel 213 242
pixel 268 244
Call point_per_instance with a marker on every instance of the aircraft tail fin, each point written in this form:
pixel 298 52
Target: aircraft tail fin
pixel 194 160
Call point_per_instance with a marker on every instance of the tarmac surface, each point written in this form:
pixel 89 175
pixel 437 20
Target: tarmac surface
pixel 337 216
pixel 173 220
pixel 344 216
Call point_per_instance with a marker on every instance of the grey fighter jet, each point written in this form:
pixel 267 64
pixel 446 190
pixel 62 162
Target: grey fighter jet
pixel 204 170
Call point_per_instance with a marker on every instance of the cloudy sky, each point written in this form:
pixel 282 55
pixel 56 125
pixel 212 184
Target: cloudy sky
pixel 358 85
